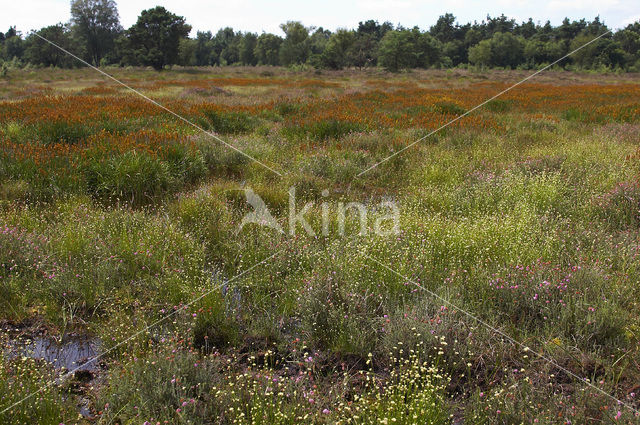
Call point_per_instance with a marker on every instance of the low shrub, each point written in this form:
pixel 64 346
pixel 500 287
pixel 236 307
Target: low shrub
pixel 227 122
pixel 620 206
pixel 132 177
pixel 21 382
pixel 322 130
pixel 414 393
pixel 449 108
pixel 168 386
pixel 221 160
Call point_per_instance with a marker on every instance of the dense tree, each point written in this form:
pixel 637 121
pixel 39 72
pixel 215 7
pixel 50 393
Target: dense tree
pixel 97 24
pixel 204 52
pixel 503 49
pixel 444 29
pixel 629 41
pixel 11 32
pixel 12 45
pixel 537 51
pixel 373 28
pixel 187 52
pixel 602 52
pixel 527 29
pixel 507 50
pixel 268 49
pixel 397 51
pixel 40 52
pixel 222 49
pixel 480 54
pixel 595 27
pixel 318 40
pixel 155 37
pixel 500 24
pixel 629 38
pixel 159 38
pixel 401 49
pixel 364 50
pixel 456 52
pixel 427 49
pixel 248 48
pixel 337 54
pixel 472 37
pixel 568 30
pixel 295 47
pixel 227 46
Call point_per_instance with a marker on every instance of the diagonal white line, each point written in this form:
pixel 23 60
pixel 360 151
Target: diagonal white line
pixel 479 106
pixel 504 335
pixel 162 319
pixel 159 105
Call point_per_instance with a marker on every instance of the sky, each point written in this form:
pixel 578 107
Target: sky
pixel 258 16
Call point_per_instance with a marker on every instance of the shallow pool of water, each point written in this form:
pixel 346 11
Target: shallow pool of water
pixel 71 354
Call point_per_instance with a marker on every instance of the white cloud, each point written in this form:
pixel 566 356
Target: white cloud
pixel 579 5
pixel 385 4
pixel 33 14
pixel 631 20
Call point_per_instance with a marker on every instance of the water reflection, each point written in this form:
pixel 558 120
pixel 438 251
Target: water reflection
pixel 72 353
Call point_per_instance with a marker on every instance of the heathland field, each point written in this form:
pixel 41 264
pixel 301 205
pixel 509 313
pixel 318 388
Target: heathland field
pixel 495 279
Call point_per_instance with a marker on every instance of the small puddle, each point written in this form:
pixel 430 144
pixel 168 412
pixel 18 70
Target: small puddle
pixel 71 354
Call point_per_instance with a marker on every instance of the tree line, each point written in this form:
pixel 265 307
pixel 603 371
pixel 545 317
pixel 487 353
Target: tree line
pixel 160 38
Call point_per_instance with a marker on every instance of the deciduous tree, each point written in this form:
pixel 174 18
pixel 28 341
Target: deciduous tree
pixel 155 37
pixel 97 24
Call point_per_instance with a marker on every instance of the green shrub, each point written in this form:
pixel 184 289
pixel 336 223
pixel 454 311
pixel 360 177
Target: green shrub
pixel 205 216
pixel 541 298
pixel 414 393
pixel 449 108
pixel 228 122
pixel 499 105
pixel 221 160
pixel 186 165
pixel 170 385
pixel 60 131
pixel 580 115
pixel 22 378
pixel 620 206
pixel 336 320
pixel 14 190
pixel 132 177
pixel 287 108
pixel 215 327
pixel 323 130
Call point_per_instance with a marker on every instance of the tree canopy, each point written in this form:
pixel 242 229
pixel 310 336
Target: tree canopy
pixel 160 38
pixel 97 24
pixel 155 37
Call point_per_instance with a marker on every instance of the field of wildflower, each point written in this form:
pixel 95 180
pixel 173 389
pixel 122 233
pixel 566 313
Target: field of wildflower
pixel 508 294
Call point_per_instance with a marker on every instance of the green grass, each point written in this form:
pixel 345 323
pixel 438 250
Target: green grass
pixel 534 230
